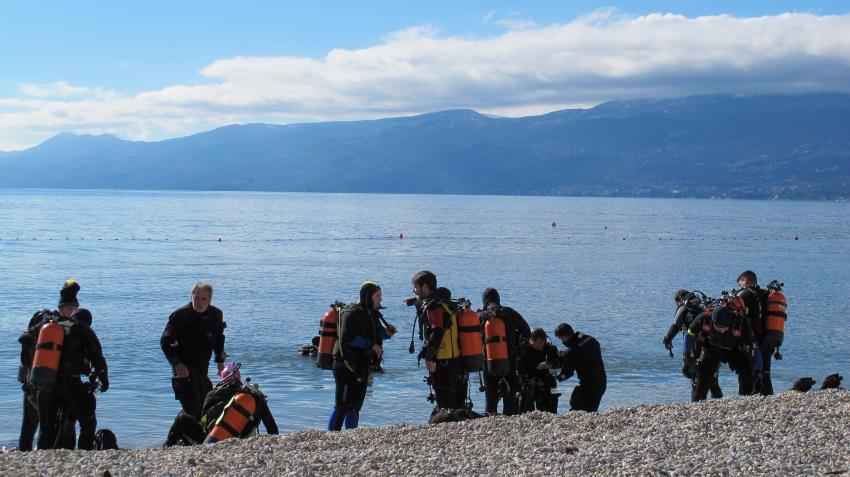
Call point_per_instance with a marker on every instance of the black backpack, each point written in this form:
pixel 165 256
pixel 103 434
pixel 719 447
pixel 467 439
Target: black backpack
pixel 105 439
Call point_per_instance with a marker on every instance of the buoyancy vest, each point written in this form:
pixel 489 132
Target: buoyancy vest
pixel 450 342
pixel 727 340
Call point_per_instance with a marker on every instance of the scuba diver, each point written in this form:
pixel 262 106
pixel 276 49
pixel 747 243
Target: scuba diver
pixel 507 387
pixel 64 348
pixel 360 343
pixel 438 329
pixel 310 349
pixel 231 409
pixel 194 332
pixel 539 357
pixel 688 308
pixel 67 306
pixel 721 336
pixel 755 302
pixel 583 357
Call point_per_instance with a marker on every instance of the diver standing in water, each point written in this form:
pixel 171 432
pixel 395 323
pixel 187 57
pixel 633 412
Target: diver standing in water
pixel 360 342
pixel 194 332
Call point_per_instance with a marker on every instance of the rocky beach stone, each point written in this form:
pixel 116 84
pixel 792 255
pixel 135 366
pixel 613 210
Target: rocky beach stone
pixel 789 434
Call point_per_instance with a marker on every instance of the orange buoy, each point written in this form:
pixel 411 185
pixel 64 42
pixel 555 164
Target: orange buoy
pixel 48 351
pixel 401 235
pixel 235 418
pixel 496 344
pixel 472 354
pixel 327 337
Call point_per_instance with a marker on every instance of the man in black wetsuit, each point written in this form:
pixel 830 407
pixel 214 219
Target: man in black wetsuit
pixel 81 351
pixel 755 300
pixel 688 308
pixel 538 358
pixel 583 357
pixel 722 337
pixel 509 387
pixel 194 332
pixel 441 351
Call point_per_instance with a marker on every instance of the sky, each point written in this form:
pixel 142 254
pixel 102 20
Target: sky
pixel 155 70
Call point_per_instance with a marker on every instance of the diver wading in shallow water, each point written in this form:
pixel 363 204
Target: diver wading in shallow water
pixel 194 332
pixel 358 347
pixel 583 357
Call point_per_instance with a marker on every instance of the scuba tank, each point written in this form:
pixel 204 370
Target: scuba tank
pixel 496 344
pixel 48 351
pixel 776 308
pixel 238 413
pixel 328 335
pixel 469 327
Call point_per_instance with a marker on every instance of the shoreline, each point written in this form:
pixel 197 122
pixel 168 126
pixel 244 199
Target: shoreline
pixel 787 434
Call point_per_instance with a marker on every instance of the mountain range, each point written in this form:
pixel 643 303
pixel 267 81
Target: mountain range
pixel 770 146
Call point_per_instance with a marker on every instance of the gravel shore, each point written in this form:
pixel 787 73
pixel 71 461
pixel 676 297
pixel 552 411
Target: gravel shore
pixel 789 434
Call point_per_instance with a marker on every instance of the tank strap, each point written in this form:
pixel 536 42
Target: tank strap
pixel 496 339
pixel 227 427
pixel 49 346
pixel 470 329
pixel 328 333
pixel 241 410
pixel 329 324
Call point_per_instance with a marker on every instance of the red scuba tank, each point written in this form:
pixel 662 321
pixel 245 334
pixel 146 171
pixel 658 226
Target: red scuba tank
pixel 472 354
pixel 327 337
pixel 48 351
pixel 776 311
pixel 235 418
pixel 496 344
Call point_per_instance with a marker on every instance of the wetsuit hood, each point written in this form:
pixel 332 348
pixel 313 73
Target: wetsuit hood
pixel 366 291
pixel 490 295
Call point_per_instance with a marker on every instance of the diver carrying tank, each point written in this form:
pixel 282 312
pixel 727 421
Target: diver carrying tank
pixel 496 344
pixel 328 330
pixel 238 413
pixel 48 352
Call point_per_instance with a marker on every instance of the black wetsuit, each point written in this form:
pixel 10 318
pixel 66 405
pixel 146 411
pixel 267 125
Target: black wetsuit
pixel 507 388
pixel 713 348
pixel 685 315
pixel 583 356
pixel 187 430
pixel 360 330
pixel 80 350
pixel 29 423
pixel 191 338
pixel 538 383
pixel 755 299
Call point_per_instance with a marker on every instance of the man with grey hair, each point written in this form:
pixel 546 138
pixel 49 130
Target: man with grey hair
pixel 194 332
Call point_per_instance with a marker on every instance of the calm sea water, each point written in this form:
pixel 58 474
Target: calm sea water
pixel 610 268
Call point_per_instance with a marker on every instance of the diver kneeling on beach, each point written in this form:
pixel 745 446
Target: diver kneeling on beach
pixel 231 409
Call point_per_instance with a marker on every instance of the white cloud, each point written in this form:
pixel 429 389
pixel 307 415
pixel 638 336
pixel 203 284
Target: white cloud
pixel 59 89
pixel 527 69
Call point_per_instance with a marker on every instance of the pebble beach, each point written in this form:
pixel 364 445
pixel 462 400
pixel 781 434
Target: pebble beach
pixel 788 434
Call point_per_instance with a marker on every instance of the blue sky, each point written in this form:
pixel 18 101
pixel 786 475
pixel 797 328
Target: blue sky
pixel 153 70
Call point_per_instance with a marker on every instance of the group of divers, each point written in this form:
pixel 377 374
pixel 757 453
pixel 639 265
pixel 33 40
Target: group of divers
pixel 62 363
